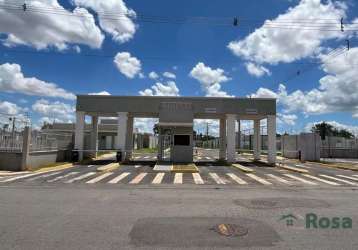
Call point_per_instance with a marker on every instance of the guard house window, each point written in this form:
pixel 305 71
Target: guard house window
pixel 182 140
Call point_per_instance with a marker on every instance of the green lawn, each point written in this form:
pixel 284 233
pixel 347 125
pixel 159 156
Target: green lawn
pixel 146 150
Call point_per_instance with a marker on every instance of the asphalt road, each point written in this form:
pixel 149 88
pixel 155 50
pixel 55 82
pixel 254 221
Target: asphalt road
pixel 141 217
pixel 79 208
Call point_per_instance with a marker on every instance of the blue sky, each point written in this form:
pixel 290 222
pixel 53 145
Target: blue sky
pixel 205 56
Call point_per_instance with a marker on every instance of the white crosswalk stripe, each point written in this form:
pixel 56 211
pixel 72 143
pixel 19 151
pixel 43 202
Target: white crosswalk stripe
pixel 208 158
pixel 99 178
pixel 348 177
pixel 279 179
pixel 197 178
pixel 158 178
pixel 146 157
pixel 43 176
pixel 259 179
pixel 19 177
pixel 119 178
pixel 236 178
pixel 300 179
pixel 337 179
pixel 178 178
pixel 321 180
pixel 138 178
pixel 63 176
pixel 199 158
pixel 217 179
pixel 81 177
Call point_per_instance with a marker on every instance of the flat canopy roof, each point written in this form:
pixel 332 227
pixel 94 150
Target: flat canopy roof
pixel 150 106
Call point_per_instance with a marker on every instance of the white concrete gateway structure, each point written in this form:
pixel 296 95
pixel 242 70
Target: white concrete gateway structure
pixel 176 115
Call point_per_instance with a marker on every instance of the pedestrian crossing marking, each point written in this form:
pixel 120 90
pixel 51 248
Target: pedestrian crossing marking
pixel 348 177
pixel 99 178
pixel 81 177
pixel 321 180
pixel 146 157
pixel 19 177
pixel 197 178
pixel 158 178
pixel 63 176
pixel 279 179
pixel 337 179
pixel 208 158
pixel 259 179
pixel 119 178
pixel 217 179
pixel 300 179
pixel 199 158
pixel 42 176
pixel 138 178
pixel 178 178
pixel 236 178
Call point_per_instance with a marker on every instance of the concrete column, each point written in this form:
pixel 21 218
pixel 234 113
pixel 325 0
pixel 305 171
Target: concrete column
pixel 26 139
pixel 257 140
pixel 271 133
pixel 129 137
pixel 230 137
pixel 94 136
pixel 121 133
pixel 79 133
pixel 222 151
pixel 238 145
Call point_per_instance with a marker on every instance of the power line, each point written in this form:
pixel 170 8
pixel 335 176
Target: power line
pixel 309 24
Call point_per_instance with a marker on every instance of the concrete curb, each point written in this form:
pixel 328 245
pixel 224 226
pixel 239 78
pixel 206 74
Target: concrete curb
pixel 56 168
pixel 243 169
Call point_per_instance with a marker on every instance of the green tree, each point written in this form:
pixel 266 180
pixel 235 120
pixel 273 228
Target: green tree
pixel 325 129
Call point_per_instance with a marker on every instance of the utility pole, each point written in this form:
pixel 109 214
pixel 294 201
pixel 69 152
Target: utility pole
pixel 207 134
pixel 13 132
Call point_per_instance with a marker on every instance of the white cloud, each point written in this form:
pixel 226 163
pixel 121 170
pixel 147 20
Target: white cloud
pixel 160 89
pixel 200 126
pixel 121 28
pixel 169 75
pixel 351 128
pixel 127 65
pixel 153 75
pixel 257 70
pixel 54 110
pixel 210 79
pixel 9 108
pixel 42 29
pixel 289 119
pixel 264 93
pixel 12 80
pixel 100 93
pixel 145 125
pixel 337 91
pixel 285 44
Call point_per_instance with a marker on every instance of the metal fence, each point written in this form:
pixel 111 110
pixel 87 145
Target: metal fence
pixel 11 132
pixel 44 141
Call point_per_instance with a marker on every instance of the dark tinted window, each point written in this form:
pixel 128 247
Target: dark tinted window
pixel 183 140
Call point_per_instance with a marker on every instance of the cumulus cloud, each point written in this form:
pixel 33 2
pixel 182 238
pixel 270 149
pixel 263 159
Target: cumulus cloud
pixel 54 110
pixel 169 75
pixel 337 90
pixel 121 29
pixel 128 65
pixel 9 108
pixel 12 80
pixel 153 75
pixel 100 93
pixel 256 70
pixel 42 30
pixel 289 119
pixel 270 45
pixel 145 125
pixel 210 79
pixel 160 89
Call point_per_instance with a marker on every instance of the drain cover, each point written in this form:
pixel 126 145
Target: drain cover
pixel 230 230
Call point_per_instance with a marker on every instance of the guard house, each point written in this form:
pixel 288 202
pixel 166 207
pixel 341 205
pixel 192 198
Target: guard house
pixel 176 115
